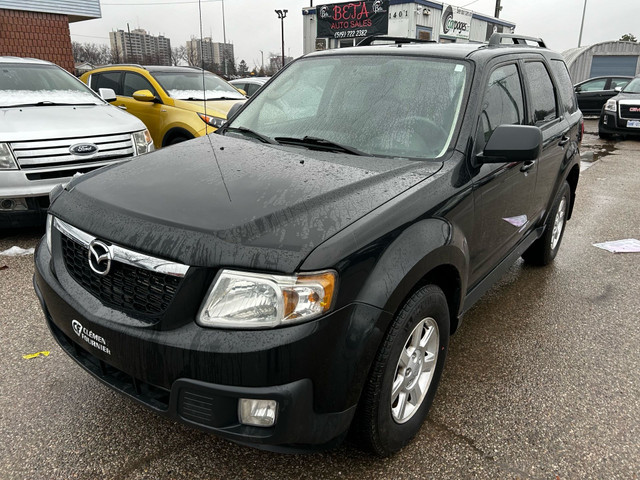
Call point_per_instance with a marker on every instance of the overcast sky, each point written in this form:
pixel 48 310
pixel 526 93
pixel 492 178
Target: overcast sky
pixel 252 25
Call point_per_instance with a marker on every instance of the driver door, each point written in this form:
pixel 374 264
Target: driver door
pixel 153 115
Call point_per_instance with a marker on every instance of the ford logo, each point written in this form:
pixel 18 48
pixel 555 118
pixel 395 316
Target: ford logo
pixel 83 149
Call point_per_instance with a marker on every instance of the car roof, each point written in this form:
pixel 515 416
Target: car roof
pixel 33 61
pixel 605 76
pixel 250 79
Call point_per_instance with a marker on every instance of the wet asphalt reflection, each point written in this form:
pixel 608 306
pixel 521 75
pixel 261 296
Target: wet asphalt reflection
pixel 541 380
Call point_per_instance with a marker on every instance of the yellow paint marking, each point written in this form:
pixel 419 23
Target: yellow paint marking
pixel 34 355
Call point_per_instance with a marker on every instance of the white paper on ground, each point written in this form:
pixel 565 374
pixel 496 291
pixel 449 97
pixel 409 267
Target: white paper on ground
pixel 628 245
pixel 17 252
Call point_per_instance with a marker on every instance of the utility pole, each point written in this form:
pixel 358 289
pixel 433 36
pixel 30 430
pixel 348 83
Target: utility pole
pixel 130 49
pixel 498 8
pixel 282 14
pixel 262 54
pixel 224 45
pixel 584 11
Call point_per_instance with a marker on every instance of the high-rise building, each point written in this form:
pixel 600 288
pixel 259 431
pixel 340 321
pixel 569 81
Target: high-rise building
pixel 140 47
pixel 209 51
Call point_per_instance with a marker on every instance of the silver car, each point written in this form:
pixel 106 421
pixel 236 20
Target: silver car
pixel 53 126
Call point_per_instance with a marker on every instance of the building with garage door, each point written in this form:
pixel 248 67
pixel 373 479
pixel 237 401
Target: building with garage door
pixel 40 28
pixel 339 25
pixel 603 59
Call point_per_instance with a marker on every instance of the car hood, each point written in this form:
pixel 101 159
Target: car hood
pixel 19 124
pixel 223 201
pixel 628 96
pixel 217 108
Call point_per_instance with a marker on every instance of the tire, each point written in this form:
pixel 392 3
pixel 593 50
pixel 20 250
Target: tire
pixel 175 140
pixel 544 250
pixel 382 425
pixel 604 136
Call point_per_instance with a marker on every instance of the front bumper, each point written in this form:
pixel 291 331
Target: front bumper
pixel 196 375
pixel 610 123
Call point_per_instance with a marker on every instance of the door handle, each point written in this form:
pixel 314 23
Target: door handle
pixel 563 141
pixel 123 107
pixel 527 165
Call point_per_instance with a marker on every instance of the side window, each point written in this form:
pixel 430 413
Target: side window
pixel 564 83
pixel 619 82
pixel 593 85
pixel 134 82
pixel 543 95
pixel 106 80
pixel 251 88
pixel 503 102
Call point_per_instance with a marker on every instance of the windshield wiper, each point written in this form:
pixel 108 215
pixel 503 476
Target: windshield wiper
pixel 319 144
pixel 46 103
pixel 210 99
pixel 251 133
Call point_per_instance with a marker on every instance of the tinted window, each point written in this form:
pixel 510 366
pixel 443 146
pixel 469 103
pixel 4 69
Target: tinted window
pixel 106 80
pixel 134 82
pixel 503 101
pixel 251 88
pixel 543 95
pixel 564 84
pixel 593 85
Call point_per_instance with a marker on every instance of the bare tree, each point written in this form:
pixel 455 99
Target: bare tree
pixel 178 55
pixel 91 53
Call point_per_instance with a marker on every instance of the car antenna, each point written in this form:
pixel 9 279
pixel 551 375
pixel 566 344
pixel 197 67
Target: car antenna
pixel 204 90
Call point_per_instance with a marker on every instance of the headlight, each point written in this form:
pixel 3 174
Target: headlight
pixel 211 120
pixel 7 160
pixel 143 142
pixel 48 230
pixel 611 106
pixel 254 300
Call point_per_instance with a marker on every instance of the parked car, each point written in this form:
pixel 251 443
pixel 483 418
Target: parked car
pixel 593 93
pixel 250 84
pixel 301 273
pixel 169 100
pixel 621 114
pixel 51 127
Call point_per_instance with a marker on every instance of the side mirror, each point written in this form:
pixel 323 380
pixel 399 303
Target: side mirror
pixel 618 89
pixel 144 96
pixel 512 143
pixel 234 110
pixel 578 88
pixel 107 94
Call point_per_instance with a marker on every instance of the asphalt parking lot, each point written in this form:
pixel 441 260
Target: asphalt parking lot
pixel 541 381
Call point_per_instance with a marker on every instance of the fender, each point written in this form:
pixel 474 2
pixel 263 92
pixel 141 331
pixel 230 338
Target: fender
pixel 420 249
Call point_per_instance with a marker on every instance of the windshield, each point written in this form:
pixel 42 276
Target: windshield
pixel 633 86
pixel 393 106
pixel 24 85
pixel 188 86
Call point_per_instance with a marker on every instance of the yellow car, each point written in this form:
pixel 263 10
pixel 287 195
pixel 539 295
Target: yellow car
pixel 169 100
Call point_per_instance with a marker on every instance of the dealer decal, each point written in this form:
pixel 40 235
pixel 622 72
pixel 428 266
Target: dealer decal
pixel 93 339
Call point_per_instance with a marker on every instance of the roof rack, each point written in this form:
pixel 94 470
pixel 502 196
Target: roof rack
pixel 121 65
pixel 496 39
pixel 397 40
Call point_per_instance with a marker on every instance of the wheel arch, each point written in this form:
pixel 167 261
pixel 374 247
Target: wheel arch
pixel 176 132
pixel 572 180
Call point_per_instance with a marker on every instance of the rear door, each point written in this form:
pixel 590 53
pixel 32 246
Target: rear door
pixel 545 113
pixel 503 192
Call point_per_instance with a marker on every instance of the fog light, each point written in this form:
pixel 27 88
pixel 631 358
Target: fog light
pixel 13 204
pixel 259 413
pixel 604 120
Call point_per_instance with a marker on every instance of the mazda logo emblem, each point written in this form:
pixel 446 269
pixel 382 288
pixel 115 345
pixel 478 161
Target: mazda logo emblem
pixel 83 149
pixel 100 257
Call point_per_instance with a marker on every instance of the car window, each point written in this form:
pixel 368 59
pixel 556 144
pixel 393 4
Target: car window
pixel 503 100
pixel 593 85
pixel 619 83
pixel 106 80
pixel 134 82
pixel 251 88
pixel 543 95
pixel 567 93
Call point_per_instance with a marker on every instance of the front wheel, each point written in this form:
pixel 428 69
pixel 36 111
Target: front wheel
pixel 545 249
pixel 405 374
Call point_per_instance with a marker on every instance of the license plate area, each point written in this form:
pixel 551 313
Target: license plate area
pixel 633 123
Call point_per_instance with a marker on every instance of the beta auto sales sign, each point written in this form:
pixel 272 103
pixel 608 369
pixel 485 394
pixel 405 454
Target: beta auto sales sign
pixel 353 19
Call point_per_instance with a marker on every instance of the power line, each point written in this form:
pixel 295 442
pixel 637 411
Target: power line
pixel 88 36
pixel 158 3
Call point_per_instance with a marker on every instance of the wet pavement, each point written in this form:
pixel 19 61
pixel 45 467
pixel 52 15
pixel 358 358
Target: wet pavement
pixel 541 381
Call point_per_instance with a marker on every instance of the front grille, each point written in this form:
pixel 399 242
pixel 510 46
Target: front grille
pixel 49 156
pixel 626 111
pixel 125 287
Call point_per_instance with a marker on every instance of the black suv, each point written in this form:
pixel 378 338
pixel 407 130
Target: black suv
pixel 298 275
pixel 621 114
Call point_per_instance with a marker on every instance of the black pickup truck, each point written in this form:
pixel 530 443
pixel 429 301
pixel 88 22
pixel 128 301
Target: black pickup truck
pixel 297 275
